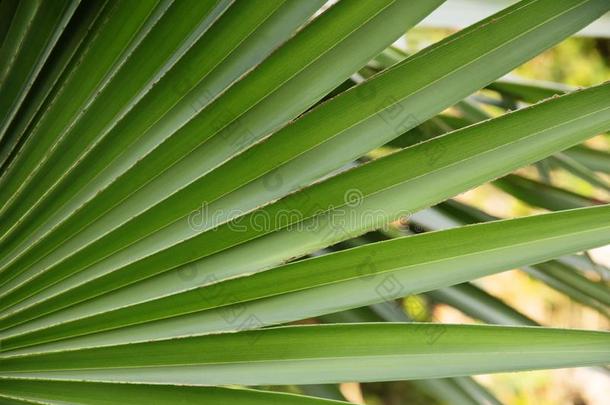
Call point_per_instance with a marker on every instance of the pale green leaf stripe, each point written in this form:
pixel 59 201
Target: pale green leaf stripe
pixel 88 393
pixel 364 275
pixel 240 39
pixel 32 51
pixel 311 77
pixel 324 354
pixel 478 153
pixel 46 84
pixel 17 401
pixel 158 43
pixel 361 140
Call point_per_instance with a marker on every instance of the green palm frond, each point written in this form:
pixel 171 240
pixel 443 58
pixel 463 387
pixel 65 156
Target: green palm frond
pixel 182 181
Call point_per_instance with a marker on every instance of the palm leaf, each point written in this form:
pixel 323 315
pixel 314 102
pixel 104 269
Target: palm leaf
pixel 178 178
pixel 323 353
